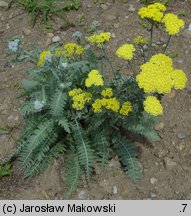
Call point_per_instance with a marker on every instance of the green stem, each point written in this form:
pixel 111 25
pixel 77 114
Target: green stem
pixel 107 58
pixel 143 53
pixel 151 39
pixel 169 38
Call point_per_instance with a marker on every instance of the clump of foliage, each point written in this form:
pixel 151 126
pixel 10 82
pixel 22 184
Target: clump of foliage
pixel 5 170
pixel 73 111
pixel 47 8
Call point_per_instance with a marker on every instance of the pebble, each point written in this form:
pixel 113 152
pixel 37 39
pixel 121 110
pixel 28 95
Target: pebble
pixel 89 6
pixel 48 43
pixel 181 135
pixel 116 25
pixel 82 195
pixel 50 34
pixel 104 7
pixel 131 8
pixel 114 190
pixel 153 181
pixel 10 118
pixel 187 33
pixel 152 195
pixel 3 4
pixel 56 39
pixel 26 31
pixel 189 28
pixel 159 126
pixel 169 163
pixel 180 61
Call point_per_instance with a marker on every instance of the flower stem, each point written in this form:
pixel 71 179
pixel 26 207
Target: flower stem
pixel 151 39
pixel 169 38
pixel 107 58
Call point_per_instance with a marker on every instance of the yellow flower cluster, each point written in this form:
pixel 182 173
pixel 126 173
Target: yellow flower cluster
pixel 108 92
pixel 75 92
pixel 126 51
pixel 126 108
pixel 109 103
pixel 59 51
pixel 140 40
pixel 42 58
pixel 153 106
pixel 172 23
pixel 73 49
pixel 99 39
pixel 94 78
pixel 79 98
pixel 158 75
pixel 153 12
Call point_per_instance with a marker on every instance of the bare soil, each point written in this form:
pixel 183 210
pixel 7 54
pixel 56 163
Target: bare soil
pixel 166 164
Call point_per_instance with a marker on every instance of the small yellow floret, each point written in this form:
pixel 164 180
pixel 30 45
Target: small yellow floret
pixel 140 40
pixel 73 49
pixel 172 23
pixel 126 108
pixel 75 92
pixel 94 78
pixel 126 51
pixel 108 92
pixel 42 58
pixel 153 106
pixel 179 79
pixel 99 39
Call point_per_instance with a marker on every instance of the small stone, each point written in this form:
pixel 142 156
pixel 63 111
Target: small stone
pixel 113 35
pixel 48 43
pixel 26 31
pixel 131 8
pixel 50 34
pixel 189 28
pixel 153 181
pixel 161 153
pixel 180 61
pixel 10 118
pixel 186 51
pixel 116 25
pixel 186 33
pixel 111 17
pixel 82 195
pixel 89 6
pixel 145 47
pixel 181 135
pixel 159 126
pixel 162 39
pixel 104 7
pixel 152 195
pixel 114 190
pixel 3 4
pixel 56 39
pixel 126 17
pixel 169 163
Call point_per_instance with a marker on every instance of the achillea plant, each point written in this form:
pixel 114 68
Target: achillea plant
pixel 72 111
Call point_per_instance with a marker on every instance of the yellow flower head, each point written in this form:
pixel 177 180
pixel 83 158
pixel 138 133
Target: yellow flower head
pixel 153 106
pixel 158 75
pixel 99 39
pixel 59 51
pixel 179 79
pixel 108 92
pixel 126 108
pixel 140 40
pixel 155 75
pixel 42 58
pixel 153 12
pixel 94 78
pixel 172 23
pixel 126 51
pixel 79 100
pixel 108 103
pixel 75 92
pixel 73 49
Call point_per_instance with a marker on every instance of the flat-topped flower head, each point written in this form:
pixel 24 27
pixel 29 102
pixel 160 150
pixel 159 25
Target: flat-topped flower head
pixel 126 108
pixel 94 78
pixel 42 58
pixel 126 51
pixel 153 12
pixel 158 75
pixel 153 106
pixel 108 92
pixel 139 40
pixel 99 39
pixel 71 49
pixel 172 23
